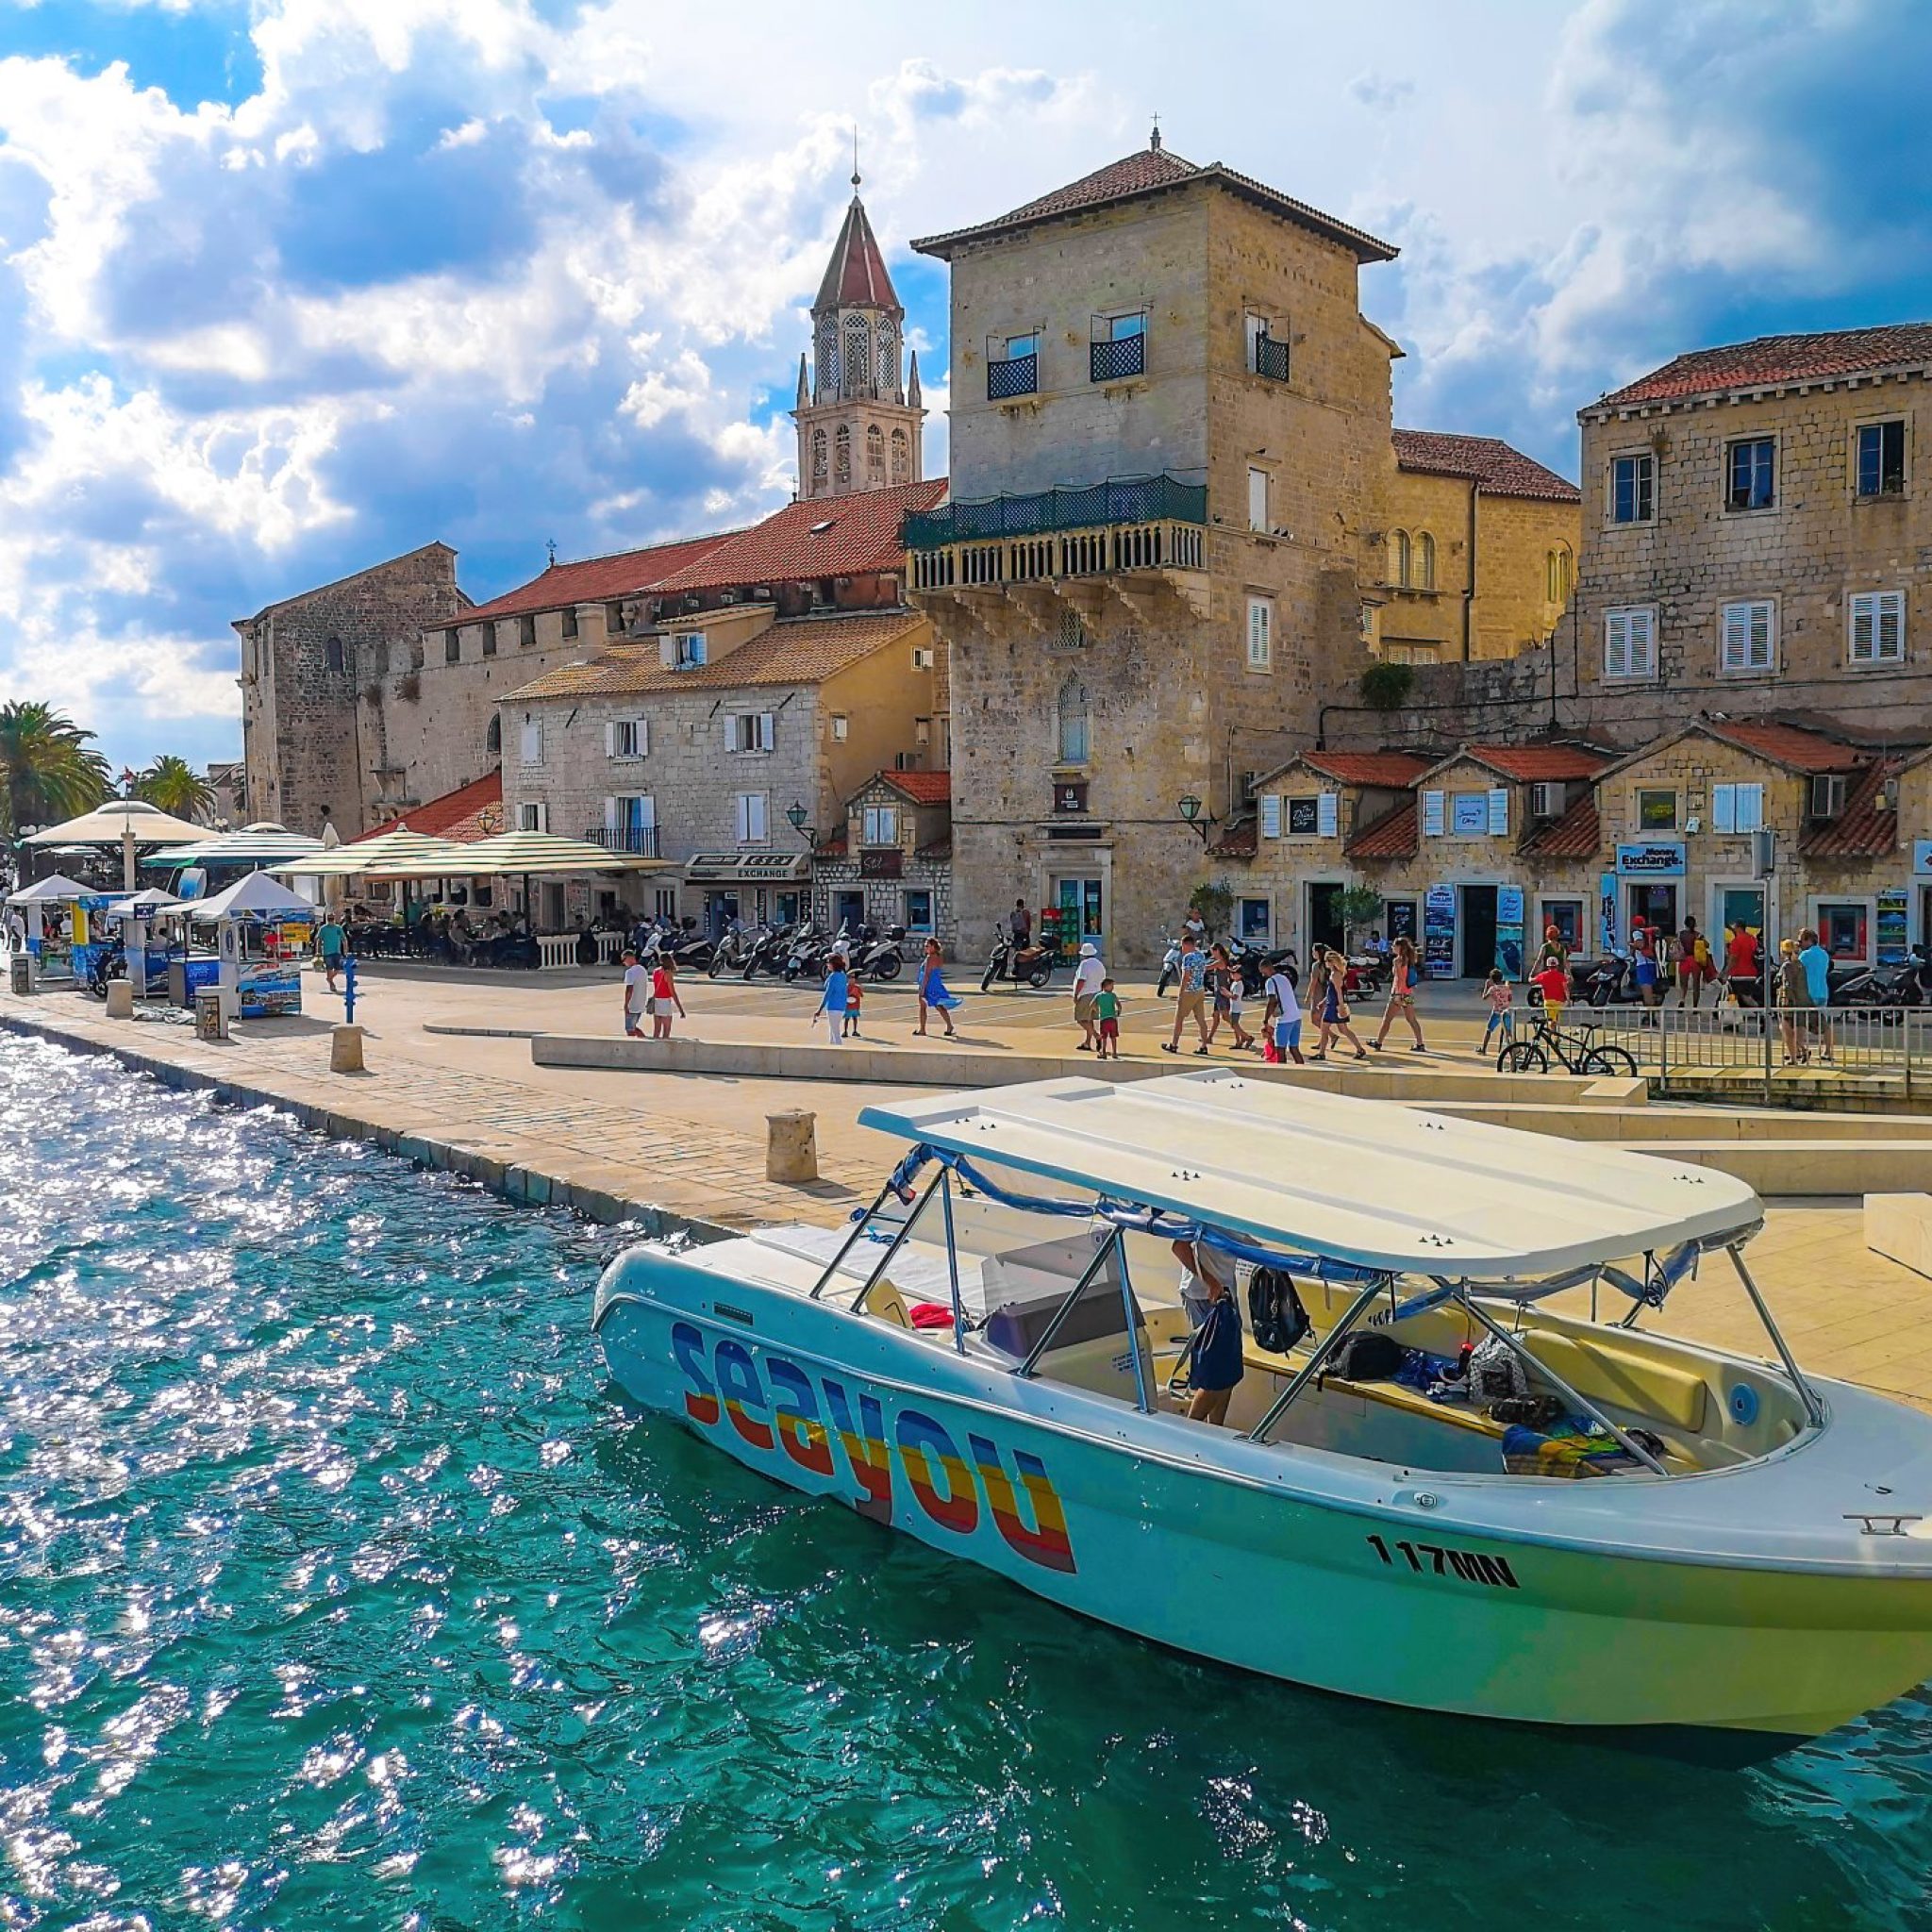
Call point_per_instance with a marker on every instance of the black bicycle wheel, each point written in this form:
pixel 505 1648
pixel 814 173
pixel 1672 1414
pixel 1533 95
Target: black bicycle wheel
pixel 1523 1056
pixel 1607 1059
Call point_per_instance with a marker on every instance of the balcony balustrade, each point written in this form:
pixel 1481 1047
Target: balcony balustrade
pixel 1271 359
pixel 1111 361
pixel 1015 376
pixel 638 841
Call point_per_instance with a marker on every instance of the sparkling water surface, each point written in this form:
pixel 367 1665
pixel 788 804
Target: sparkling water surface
pixel 338 1588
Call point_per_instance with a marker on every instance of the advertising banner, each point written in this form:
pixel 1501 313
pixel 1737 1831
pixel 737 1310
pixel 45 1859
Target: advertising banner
pixel 1607 924
pixel 1891 924
pixel 1659 858
pixel 1509 930
pixel 269 988
pixel 1439 932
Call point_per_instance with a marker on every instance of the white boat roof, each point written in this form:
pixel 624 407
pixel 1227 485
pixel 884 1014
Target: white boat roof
pixel 1367 1181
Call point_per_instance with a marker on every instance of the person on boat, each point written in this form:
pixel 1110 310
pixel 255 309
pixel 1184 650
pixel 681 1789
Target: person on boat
pixel 1190 995
pixel 1404 977
pixel 1201 1274
pixel 933 996
pixel 1087 977
pixel 1215 1367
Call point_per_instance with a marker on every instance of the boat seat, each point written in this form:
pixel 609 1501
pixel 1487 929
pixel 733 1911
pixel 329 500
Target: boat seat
pixel 1626 1377
pixel 1389 1394
pixel 884 1301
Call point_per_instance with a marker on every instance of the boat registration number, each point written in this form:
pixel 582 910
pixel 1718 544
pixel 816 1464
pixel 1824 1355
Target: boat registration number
pixel 1436 1559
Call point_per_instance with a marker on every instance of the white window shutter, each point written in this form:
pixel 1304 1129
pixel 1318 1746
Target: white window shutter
pixel 1271 815
pixel 1643 637
pixel 611 740
pixel 1616 643
pixel 742 812
pixel 610 814
pixel 1325 814
pixel 757 817
pixel 643 727
pixel 768 730
pixel 1891 626
pixel 1432 814
pixel 1724 807
pixel 1761 646
pixel 1864 628
pixel 1735 637
pixel 1499 811
pixel 543 818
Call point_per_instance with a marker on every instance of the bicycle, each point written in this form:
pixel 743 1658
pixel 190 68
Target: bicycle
pixel 1580 1052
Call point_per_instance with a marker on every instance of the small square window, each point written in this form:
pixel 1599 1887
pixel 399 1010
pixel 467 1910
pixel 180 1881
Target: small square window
pixel 1633 489
pixel 841 727
pixel 1882 459
pixel 1750 467
pixel 1657 811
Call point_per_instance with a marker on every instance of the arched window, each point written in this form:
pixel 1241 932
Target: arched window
pixel 1073 723
pixel 857 355
pixel 1425 561
pixel 902 456
pixel 1557 575
pixel 332 655
pixel 842 471
pixel 889 362
pixel 828 359
pixel 1398 559
pixel 818 460
pixel 874 457
pixel 493 738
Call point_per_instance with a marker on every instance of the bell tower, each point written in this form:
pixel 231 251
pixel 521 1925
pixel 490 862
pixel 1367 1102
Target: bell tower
pixel 860 425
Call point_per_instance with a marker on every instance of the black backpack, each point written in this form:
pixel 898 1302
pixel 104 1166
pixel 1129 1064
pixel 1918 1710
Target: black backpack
pixel 1275 1316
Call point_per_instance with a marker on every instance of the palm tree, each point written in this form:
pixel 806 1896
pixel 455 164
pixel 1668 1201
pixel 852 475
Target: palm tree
pixel 48 770
pixel 176 787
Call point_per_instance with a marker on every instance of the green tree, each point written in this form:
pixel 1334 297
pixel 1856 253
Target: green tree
pixel 1385 687
pixel 176 786
pixel 49 770
pixel 1358 907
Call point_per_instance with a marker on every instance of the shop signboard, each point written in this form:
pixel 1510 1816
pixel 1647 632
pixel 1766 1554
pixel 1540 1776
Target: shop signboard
pixel 1509 930
pixel 1439 932
pixel 1652 858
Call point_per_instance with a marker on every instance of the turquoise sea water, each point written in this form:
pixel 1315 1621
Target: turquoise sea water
pixel 336 1590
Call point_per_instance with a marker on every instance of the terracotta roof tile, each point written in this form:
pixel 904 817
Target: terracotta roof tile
pixel 922 788
pixel 1577 834
pixel 470 813
pixel 1383 768
pixel 1527 763
pixel 856 275
pixel 1488 459
pixel 1788 744
pixel 1149 171
pixel 1767 361
pixel 1240 840
pixel 940 852
pixel 798 650
pixel 592 579
pixel 859 534
pixel 1392 835
pixel 1867 828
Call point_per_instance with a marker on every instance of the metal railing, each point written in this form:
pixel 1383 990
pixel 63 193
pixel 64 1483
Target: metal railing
pixel 1016 375
pixel 639 841
pixel 1271 359
pixel 1775 1049
pixel 1093 506
pixel 1111 360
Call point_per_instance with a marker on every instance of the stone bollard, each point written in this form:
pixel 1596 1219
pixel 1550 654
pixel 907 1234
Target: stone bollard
pixel 346 1050
pixel 792 1149
pixel 120 999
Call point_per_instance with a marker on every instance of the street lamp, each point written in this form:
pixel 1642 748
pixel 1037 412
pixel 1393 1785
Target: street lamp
pixel 1189 808
pixel 794 817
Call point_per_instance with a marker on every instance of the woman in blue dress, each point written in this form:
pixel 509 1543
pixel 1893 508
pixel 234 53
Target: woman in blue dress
pixel 932 990
pixel 1215 1366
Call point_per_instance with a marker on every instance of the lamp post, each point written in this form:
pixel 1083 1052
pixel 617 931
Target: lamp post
pixel 1189 808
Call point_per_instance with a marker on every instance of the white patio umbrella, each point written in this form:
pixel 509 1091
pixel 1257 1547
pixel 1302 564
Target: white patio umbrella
pixel 387 855
pixel 263 844
pixel 126 823
pixel 550 852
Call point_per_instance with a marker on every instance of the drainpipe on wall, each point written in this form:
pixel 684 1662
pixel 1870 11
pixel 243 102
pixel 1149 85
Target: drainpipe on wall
pixel 1469 594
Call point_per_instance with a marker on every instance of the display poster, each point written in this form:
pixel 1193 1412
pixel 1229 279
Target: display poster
pixel 1470 814
pixel 1922 857
pixel 1607 925
pixel 1439 932
pixel 1891 924
pixel 1509 930
pixel 268 989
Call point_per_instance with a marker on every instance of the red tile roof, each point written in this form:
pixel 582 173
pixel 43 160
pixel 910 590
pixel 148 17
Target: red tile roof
pixel 1788 744
pixel 1527 763
pixel 1770 360
pixel 1576 835
pixel 1150 171
pixel 797 650
pixel 1392 835
pixel 859 535
pixel 1383 768
pixel 470 813
pixel 922 788
pixel 1486 459
pixel 1240 840
pixel 856 275
pixel 593 579
pixel 1867 828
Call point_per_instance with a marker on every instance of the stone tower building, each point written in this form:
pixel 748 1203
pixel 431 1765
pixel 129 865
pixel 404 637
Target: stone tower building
pixel 858 423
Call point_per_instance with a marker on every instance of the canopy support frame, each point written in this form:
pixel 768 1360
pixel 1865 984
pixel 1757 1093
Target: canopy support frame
pixel 860 1223
pixel 1814 1406
pixel 1057 1321
pixel 1319 1359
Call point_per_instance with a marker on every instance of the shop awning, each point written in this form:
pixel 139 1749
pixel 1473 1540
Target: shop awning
pixel 746 868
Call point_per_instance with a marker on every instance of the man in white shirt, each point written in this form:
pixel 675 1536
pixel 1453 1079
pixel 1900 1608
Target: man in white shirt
pixel 1200 1265
pixel 1087 975
pixel 1287 1015
pixel 637 993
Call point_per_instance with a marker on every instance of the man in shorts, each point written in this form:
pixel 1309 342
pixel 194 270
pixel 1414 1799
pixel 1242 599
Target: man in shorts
pixel 1087 975
pixel 1287 1012
pixel 1190 996
pixel 637 994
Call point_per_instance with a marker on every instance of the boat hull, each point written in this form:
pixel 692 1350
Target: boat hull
pixel 1139 1521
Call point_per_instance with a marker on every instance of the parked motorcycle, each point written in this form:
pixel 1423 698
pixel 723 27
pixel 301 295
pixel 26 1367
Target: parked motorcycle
pixel 733 948
pixel 1904 983
pixel 1032 964
pixel 876 955
pixel 1170 959
pixel 807 958
pixel 769 948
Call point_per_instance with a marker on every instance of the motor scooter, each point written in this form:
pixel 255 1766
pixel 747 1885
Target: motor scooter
pixel 876 955
pixel 770 947
pixel 1031 964
pixel 733 948
pixel 1902 984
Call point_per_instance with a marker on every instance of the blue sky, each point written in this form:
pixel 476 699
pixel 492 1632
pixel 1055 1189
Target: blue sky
pixel 292 285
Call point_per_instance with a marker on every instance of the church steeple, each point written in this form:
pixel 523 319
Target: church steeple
pixel 858 427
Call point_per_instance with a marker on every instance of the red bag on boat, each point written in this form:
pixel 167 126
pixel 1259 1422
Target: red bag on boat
pixel 930 1315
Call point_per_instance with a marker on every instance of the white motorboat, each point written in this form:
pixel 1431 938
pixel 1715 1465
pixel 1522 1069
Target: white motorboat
pixel 991 1366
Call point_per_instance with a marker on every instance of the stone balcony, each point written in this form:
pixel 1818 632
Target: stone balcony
pixel 1136 536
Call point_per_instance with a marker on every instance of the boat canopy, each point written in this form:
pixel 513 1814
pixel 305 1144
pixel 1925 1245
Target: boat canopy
pixel 1368 1182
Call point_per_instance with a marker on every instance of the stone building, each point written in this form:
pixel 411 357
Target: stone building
pixel 696 744
pixel 861 425
pixel 1170 431
pixel 1480 555
pixel 890 861
pixel 315 689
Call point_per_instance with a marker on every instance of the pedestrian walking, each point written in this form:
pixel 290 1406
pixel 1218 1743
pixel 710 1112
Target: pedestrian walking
pixel 1283 1014
pixel 835 998
pixel 1793 992
pixel 331 942
pixel 1817 964
pixel 1190 996
pixel 933 996
pixel 1020 926
pixel 1332 1015
pixel 1500 997
pixel 664 999
pixel 1223 984
pixel 1645 971
pixel 1404 975
pixel 1087 975
pixel 1553 982
pixel 1106 1017
pixel 637 994
pixel 1741 964
pixel 1695 967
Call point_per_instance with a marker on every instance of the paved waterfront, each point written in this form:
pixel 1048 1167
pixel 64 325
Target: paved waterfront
pixel 693 1144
